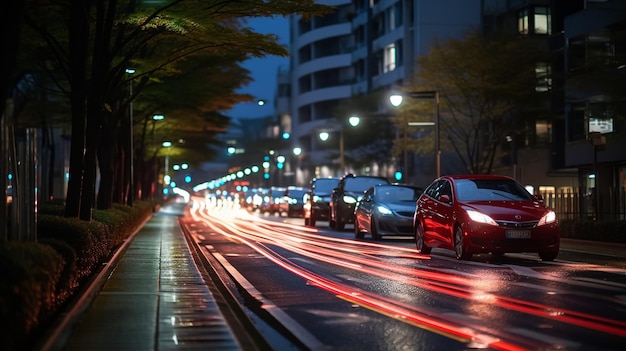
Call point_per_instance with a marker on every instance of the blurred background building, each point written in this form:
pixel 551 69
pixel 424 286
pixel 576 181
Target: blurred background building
pixel 574 156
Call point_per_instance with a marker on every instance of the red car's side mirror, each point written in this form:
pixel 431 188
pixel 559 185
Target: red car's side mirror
pixel 444 198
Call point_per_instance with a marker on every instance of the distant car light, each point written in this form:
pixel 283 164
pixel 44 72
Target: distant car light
pixel 349 199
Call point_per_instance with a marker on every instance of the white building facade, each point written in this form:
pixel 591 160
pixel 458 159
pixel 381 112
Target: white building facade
pixel 365 46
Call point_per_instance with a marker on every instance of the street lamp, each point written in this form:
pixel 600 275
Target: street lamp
pixel 131 183
pixel 353 121
pixel 396 100
pixel 166 177
pixel 155 162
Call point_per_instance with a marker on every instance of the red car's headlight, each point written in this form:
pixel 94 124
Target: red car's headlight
pixel 548 218
pixel 480 217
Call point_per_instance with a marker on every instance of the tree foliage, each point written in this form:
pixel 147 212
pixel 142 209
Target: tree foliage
pixel 186 55
pixel 487 90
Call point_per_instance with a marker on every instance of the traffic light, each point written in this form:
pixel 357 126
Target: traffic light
pixel 398 176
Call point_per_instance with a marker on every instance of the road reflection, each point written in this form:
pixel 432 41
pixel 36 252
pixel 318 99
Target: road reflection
pixel 485 294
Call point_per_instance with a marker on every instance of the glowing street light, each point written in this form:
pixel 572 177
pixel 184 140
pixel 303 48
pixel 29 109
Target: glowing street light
pixel 131 161
pixel 324 136
pixel 396 100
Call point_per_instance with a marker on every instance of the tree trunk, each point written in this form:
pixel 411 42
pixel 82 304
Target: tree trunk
pixel 105 162
pixel 78 48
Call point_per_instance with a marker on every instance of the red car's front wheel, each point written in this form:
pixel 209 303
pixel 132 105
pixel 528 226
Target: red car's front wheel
pixel 459 245
pixel 419 240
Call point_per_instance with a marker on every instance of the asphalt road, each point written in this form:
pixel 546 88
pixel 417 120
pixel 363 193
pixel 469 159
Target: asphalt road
pixel 320 289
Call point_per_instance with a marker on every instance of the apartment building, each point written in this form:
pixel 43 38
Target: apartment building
pixel 590 46
pixel 365 46
pixel 371 46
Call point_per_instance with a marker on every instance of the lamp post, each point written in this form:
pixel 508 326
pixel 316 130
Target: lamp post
pixel 155 162
pixel 131 182
pixel 297 151
pixel 324 135
pixel 166 177
pixel 396 100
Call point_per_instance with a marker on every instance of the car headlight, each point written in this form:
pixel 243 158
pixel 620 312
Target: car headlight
pixel 548 218
pixel 480 217
pixel 383 210
pixel 349 199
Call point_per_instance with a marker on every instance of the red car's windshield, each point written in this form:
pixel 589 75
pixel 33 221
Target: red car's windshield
pixel 490 189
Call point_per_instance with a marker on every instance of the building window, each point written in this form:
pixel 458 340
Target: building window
pixel 304 54
pixel 576 129
pixel 377 63
pixel 394 16
pixel 284 90
pixel 359 36
pixel 359 70
pixel 534 21
pixel 542 20
pixel 543 131
pixel 544 81
pixel 304 84
pixel 378 25
pixel 304 114
pixel 390 58
pixel 522 21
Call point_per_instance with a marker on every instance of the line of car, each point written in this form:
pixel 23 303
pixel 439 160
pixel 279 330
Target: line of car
pixel 468 214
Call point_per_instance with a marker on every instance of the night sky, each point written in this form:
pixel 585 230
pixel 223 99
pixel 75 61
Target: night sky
pixel 263 71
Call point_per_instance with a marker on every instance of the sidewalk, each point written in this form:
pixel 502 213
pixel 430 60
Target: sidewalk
pixel 154 299
pixel 594 247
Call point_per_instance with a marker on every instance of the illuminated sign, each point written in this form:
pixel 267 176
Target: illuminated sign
pixel 600 125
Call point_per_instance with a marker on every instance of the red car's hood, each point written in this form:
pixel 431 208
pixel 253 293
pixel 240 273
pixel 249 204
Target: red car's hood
pixel 517 211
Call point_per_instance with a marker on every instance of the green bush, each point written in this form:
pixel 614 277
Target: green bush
pixel 39 278
pixel 69 279
pixel 30 273
pixel 78 234
pixel 51 208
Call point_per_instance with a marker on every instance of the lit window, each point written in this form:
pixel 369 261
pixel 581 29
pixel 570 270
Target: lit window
pixel 522 21
pixel 390 58
pixel 542 20
pixel 543 73
pixel 546 189
pixel 543 131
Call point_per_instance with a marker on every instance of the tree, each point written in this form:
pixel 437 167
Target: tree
pixel 104 38
pixel 487 90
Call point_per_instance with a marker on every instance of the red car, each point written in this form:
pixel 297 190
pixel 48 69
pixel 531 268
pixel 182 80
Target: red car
pixel 476 213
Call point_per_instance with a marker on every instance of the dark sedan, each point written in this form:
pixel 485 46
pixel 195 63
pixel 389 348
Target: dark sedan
pixel 316 201
pixel 473 214
pixel 292 203
pixel 350 189
pixel 386 210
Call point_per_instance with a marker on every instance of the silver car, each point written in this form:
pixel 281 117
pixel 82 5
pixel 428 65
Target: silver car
pixel 386 209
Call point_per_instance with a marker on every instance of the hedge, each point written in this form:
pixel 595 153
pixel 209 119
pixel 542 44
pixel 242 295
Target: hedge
pixel 40 278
